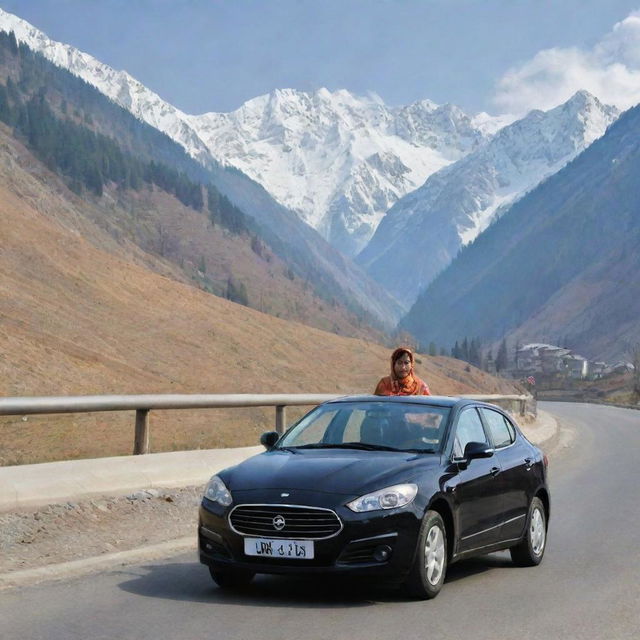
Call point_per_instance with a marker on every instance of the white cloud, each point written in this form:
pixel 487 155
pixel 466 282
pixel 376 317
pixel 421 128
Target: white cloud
pixel 610 71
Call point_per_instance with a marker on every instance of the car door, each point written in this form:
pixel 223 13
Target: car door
pixel 515 458
pixel 476 487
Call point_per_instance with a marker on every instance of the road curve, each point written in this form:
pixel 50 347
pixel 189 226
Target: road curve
pixel 588 586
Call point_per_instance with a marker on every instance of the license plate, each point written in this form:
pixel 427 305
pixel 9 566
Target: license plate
pixel 272 548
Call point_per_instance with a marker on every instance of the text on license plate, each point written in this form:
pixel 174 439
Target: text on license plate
pixel 271 548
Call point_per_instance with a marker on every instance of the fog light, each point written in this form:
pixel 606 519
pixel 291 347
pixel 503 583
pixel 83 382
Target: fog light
pixel 382 553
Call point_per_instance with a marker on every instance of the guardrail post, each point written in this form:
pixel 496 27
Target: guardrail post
pixel 141 443
pixel 523 405
pixel 281 418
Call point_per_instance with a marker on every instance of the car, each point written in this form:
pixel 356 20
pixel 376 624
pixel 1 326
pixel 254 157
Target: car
pixel 391 488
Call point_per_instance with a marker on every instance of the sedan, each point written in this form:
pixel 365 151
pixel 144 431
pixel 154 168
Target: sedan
pixel 394 488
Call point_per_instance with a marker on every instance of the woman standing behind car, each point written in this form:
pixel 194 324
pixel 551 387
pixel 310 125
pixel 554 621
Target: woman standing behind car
pixel 402 381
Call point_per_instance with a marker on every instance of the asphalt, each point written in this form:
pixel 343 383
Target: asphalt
pixel 585 589
pixel 55 482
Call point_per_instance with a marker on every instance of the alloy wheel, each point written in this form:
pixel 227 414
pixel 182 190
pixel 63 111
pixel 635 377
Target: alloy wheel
pixel 537 532
pixel 434 551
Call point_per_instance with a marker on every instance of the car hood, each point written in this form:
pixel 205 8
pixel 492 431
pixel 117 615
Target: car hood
pixel 329 471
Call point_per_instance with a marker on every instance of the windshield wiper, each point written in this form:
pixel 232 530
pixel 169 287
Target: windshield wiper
pixel 348 445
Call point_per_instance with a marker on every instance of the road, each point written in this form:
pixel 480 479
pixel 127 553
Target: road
pixel 587 587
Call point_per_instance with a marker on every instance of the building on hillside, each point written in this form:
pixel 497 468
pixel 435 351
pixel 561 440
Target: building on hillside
pixel 619 367
pixel 539 357
pixel 551 360
pixel 597 369
pixel 576 366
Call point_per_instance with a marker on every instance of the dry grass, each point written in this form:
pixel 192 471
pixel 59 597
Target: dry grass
pixel 77 317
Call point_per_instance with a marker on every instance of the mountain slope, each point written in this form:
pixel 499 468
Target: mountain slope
pixel 308 257
pixel 427 227
pixel 561 262
pixel 81 312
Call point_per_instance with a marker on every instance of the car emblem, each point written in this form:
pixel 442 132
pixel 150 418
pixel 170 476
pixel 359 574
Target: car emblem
pixel 284 495
pixel 278 523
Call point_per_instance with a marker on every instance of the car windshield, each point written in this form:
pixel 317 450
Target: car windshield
pixel 370 425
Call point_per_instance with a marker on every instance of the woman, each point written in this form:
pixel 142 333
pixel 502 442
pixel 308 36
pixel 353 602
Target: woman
pixel 402 381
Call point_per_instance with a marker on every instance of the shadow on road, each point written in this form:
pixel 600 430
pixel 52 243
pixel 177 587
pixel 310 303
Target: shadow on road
pixel 190 581
pixel 475 566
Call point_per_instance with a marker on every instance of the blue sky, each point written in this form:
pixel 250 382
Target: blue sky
pixel 493 55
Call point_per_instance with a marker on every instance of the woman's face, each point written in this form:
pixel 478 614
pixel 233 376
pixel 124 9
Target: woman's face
pixel 402 366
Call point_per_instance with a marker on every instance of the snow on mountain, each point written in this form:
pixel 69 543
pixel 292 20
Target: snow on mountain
pixel 119 86
pixel 424 230
pixel 339 161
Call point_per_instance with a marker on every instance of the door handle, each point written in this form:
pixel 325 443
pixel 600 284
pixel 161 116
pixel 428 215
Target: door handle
pixel 495 471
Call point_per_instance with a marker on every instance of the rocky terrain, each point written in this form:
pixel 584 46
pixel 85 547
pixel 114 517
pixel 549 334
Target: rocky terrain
pixel 63 532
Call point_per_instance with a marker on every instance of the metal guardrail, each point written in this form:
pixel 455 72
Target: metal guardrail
pixel 142 404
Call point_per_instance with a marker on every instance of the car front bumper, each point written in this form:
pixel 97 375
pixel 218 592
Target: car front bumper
pixel 358 549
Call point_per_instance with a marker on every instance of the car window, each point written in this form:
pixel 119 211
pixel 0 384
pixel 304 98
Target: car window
pixel 391 424
pixel 502 432
pixel 316 431
pixel 468 429
pixel 354 422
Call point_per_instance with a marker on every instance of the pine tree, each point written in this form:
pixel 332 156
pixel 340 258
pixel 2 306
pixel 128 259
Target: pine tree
pixel 474 353
pixel 237 292
pixel 501 358
pixel 464 351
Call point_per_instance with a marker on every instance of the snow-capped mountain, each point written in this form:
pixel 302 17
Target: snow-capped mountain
pixel 424 230
pixel 339 161
pixel 119 86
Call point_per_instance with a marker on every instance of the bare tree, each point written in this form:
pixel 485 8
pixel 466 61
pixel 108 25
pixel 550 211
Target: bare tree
pixel 635 360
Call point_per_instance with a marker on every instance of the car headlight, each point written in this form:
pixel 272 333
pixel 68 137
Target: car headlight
pixel 216 491
pixel 398 495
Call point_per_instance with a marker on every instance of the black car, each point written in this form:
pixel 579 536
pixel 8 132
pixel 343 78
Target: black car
pixel 394 488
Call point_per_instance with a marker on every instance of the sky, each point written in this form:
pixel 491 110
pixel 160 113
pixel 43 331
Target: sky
pixel 499 56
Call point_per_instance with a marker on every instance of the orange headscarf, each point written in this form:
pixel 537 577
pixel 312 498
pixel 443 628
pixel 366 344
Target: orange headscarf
pixel 410 385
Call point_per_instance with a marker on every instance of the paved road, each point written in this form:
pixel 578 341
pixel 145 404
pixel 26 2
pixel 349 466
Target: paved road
pixel 587 587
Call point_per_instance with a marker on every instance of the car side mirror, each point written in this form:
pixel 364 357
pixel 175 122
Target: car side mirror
pixel 269 438
pixel 477 450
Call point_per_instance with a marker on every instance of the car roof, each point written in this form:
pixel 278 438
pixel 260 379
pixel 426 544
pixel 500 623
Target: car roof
pixel 434 401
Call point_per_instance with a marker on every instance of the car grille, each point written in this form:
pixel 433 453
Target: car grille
pixel 309 523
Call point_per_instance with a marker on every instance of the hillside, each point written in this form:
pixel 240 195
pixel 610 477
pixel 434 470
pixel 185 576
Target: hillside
pixel 427 227
pixel 94 144
pixel 562 263
pixel 82 312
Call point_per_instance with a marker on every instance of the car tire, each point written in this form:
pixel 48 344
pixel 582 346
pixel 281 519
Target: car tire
pixel 430 564
pixel 529 552
pixel 231 578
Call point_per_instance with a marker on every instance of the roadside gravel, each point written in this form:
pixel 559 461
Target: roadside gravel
pixel 74 530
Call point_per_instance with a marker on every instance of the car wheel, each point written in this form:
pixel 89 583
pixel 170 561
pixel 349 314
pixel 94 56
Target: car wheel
pixel 231 578
pixel 529 552
pixel 430 565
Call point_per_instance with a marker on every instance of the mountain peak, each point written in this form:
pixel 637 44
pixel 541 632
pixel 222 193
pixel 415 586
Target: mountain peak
pixel 458 202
